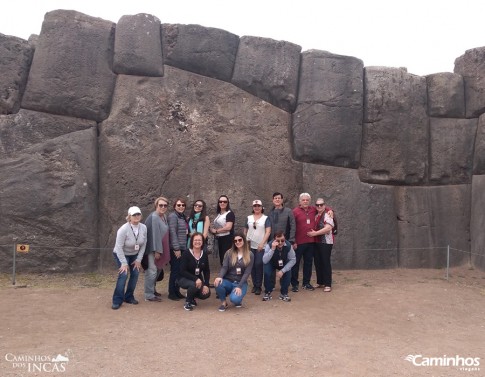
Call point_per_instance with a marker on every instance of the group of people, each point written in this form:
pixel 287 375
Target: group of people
pixel 270 247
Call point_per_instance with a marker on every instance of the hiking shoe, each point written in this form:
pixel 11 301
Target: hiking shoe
pixel 308 287
pixel 294 288
pixel 267 297
pixel 222 308
pixel 188 306
pixel 285 298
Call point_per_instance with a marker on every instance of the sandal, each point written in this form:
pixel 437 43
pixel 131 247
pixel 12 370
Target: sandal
pixel 327 289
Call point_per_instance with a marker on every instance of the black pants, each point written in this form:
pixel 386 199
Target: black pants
pixel 323 267
pixel 174 273
pixel 305 250
pixel 192 290
pixel 224 243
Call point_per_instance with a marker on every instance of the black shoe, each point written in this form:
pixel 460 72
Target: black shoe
pixel 258 291
pixel 115 306
pixel 294 288
pixel 174 297
pixel 193 303
pixel 308 287
pixel 179 295
pixel 253 290
pixel 132 301
pixel 154 299
pixel 188 306
pixel 157 294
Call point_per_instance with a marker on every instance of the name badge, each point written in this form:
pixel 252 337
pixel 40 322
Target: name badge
pixel 308 221
pixel 197 271
pixel 137 247
pixel 238 270
pixel 280 262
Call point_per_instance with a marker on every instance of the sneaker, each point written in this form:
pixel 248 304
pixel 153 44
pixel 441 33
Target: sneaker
pixel 222 308
pixel 154 299
pixel 188 306
pixel 285 298
pixel 193 303
pixel 132 301
pixel 308 287
pixel 258 291
pixel 294 288
pixel 238 305
pixel 267 297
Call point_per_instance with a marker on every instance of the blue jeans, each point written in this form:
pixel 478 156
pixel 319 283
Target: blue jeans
pixel 305 250
pixel 120 294
pixel 268 282
pixel 226 288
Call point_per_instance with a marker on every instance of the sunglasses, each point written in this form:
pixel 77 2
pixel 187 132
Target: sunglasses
pixel 198 205
pixel 254 225
pixel 280 241
pixel 180 205
pixel 136 214
pixel 320 204
pixel 163 205
pixel 222 201
pixel 237 240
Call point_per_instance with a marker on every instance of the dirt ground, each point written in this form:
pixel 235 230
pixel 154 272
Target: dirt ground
pixel 367 326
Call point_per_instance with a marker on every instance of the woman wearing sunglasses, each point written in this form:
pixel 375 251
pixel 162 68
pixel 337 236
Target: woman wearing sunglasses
pixel 158 247
pixel 199 221
pixel 129 248
pixel 177 225
pixel 257 230
pixel 223 226
pixel 236 267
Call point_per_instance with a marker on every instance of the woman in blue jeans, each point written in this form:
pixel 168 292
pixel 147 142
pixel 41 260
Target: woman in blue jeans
pixel 236 268
pixel 131 240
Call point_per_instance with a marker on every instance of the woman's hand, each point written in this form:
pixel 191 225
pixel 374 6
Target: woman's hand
pixel 217 281
pixel 123 269
pixel 158 255
pixel 177 253
pixel 238 291
pixel 312 233
pixel 137 265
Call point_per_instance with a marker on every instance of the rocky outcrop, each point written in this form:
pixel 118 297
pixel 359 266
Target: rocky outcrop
pixel 71 71
pixel 16 56
pixel 193 111
pixel 138 46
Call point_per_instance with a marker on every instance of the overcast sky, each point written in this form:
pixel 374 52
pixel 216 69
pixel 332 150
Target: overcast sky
pixel 425 36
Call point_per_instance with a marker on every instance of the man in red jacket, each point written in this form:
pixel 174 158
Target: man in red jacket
pixel 304 245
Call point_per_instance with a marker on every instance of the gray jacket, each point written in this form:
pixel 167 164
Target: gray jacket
pixel 177 225
pixel 283 220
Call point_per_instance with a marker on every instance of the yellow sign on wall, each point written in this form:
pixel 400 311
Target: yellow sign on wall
pixel 23 248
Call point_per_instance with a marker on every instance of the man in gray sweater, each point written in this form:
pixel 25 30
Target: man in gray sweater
pixel 282 219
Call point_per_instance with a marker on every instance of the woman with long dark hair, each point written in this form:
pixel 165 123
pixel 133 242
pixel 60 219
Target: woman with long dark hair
pixel 223 226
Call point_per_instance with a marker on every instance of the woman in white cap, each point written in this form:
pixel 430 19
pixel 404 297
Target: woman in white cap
pixel 130 245
pixel 257 230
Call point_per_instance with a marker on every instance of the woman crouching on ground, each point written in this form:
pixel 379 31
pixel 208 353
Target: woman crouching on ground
pixel 194 271
pixel 236 268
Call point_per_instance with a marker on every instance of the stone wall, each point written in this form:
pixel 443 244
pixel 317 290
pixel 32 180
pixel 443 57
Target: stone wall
pixel 96 117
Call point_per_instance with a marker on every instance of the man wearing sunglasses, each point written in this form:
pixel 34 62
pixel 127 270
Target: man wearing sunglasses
pixel 278 256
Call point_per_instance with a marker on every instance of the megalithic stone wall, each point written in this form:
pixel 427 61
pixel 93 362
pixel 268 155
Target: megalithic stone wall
pixel 97 116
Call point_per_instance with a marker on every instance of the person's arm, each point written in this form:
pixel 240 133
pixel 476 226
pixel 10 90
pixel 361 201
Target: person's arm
pixel 291 219
pixel 120 242
pixel 207 222
pixel 268 253
pixel 247 272
pixel 173 227
pixel 291 261
pixel 143 229
pixel 267 232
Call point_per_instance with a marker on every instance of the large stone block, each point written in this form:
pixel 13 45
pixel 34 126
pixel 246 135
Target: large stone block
pixel 451 150
pixel 479 150
pixel 395 130
pixel 48 196
pixel 207 51
pixel 430 219
pixel 214 139
pixel 446 95
pixel 138 46
pixel 471 66
pixel 71 69
pixel 269 70
pixel 477 223
pixel 15 58
pixel 27 128
pixel 327 123
pixel 367 236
